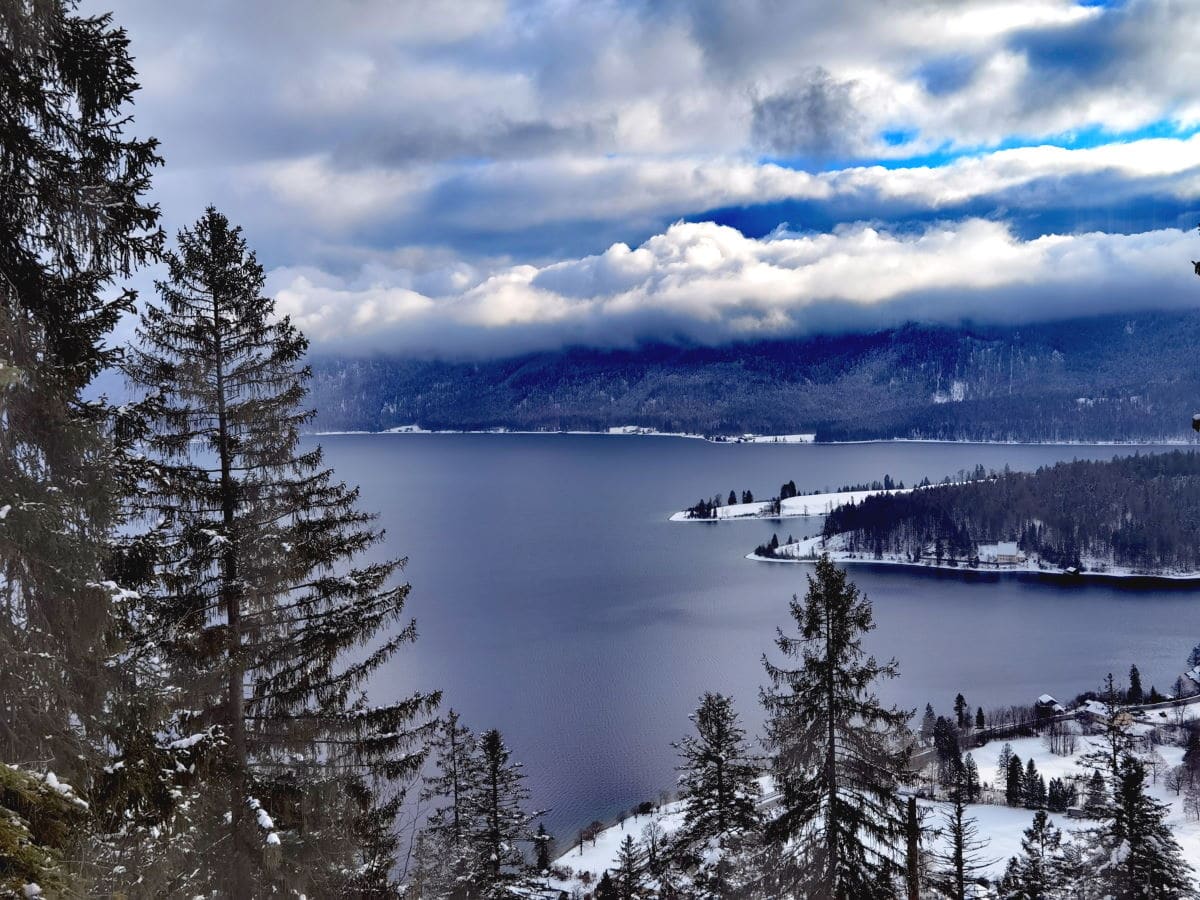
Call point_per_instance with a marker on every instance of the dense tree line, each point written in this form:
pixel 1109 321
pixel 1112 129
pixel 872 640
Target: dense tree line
pixel 1114 377
pixel 1140 512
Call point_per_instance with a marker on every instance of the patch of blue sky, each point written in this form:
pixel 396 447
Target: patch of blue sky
pixel 1076 139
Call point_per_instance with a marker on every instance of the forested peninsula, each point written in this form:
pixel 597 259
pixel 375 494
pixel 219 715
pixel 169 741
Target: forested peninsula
pixel 1136 515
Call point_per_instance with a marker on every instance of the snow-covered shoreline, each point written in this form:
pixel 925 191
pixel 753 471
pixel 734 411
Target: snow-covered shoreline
pixel 802 506
pixel 778 439
pixel 807 551
pixel 615 431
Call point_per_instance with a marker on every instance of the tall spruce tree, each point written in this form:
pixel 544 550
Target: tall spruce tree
pixel 1135 694
pixel 631 870
pixel 262 594
pixel 500 822
pixel 959 861
pixel 718 775
pixel 73 219
pixel 445 857
pixel 1036 874
pixel 837 753
pixel 1142 858
pixel 719 786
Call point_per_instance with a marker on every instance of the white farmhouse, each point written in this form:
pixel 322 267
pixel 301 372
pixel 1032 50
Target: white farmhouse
pixel 1003 553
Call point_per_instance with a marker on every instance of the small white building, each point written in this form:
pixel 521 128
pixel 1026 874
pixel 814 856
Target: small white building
pixel 1002 553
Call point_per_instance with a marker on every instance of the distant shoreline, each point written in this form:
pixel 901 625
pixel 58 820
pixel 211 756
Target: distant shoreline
pixel 1130 578
pixel 771 439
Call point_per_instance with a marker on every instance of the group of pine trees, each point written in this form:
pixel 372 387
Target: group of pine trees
pixel 1140 512
pixel 188 614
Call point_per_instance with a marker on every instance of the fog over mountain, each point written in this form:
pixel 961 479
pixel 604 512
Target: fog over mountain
pixel 1103 378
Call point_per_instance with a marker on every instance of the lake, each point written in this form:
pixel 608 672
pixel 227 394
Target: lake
pixel 556 603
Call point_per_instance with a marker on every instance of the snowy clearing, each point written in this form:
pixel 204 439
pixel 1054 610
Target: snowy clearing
pixel 798 507
pixel 999 825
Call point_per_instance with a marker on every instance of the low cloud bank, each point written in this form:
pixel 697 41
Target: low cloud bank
pixel 708 283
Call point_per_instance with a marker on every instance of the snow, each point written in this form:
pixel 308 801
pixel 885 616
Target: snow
pixel 32 889
pixel 62 788
pixel 802 506
pixel 186 743
pixel 749 438
pixel 600 855
pixel 1001 826
pixel 5 510
pixel 807 551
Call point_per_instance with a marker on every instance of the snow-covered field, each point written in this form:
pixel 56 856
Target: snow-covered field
pixel 808 549
pixel 999 825
pixel 802 506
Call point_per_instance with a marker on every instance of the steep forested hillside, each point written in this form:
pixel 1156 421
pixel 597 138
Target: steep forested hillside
pixel 1139 512
pixel 1103 378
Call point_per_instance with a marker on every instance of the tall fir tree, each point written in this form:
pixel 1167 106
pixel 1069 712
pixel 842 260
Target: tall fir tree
pixel 719 787
pixel 263 596
pixel 1142 858
pixel 1135 694
pixel 962 714
pixel 928 722
pixel 1037 873
pixel 445 858
pixel 1113 742
pixel 959 863
pixel 73 220
pixel 631 870
pixel 837 752
pixel 500 822
pixel 1014 782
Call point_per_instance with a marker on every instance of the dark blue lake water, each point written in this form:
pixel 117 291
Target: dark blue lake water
pixel 555 601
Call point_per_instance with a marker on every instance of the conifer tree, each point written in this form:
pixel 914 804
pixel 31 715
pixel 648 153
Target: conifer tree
pixel 543 850
pixel 949 752
pixel 1114 741
pixel 980 721
pixel 1143 858
pixel 1002 760
pixel 1014 782
pixel 971 779
pixel 444 855
pixel 928 722
pixel 959 862
pixel 262 595
pixel 961 712
pixel 631 866
pixel 837 754
pixel 500 822
pixel 1096 804
pixel 605 888
pixel 719 777
pixel 73 220
pixel 1135 694
pixel 1036 874
pixel 1033 787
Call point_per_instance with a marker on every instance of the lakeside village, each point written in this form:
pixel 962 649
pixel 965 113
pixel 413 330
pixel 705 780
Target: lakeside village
pixel 1031 776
